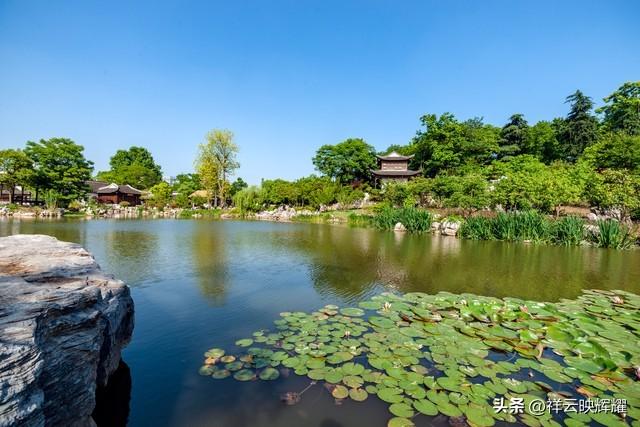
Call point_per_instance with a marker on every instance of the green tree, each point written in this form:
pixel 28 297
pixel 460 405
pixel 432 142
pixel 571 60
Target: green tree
pixel 615 151
pixel 161 194
pixel 580 127
pixel 542 142
pixel 60 166
pixel 135 167
pixel 248 199
pixel 184 185
pixel 15 169
pixel 216 161
pixel 615 189
pixel 514 136
pixel 622 109
pixel 237 186
pixel 348 161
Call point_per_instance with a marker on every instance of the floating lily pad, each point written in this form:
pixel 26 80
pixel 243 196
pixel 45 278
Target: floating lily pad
pixel 244 375
pixel 268 374
pixel 400 422
pixel 244 342
pixel 215 353
pixel 340 392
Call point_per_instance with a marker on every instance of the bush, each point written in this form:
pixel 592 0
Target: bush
pixel 248 200
pixel 477 228
pixel 124 204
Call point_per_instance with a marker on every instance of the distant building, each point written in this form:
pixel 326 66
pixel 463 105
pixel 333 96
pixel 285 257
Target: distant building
pixel 393 168
pixel 18 194
pixel 112 193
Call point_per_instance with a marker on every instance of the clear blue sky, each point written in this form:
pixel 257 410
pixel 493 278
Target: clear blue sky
pixel 289 76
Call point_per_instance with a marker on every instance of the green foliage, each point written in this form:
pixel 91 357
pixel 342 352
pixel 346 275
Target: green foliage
pixel 75 206
pixel 51 199
pixel 348 161
pixel 519 226
pixel 514 136
pixel 184 185
pixel 347 196
pixel 236 186
pixel 446 144
pixel 135 167
pixel 580 127
pixel 216 161
pixel 16 168
pixel 470 192
pixel 248 199
pixel 60 166
pixel 160 194
pixel 567 231
pixel 622 109
pixel 477 228
pixel 618 189
pixel 612 234
pixel 414 219
pixel 615 151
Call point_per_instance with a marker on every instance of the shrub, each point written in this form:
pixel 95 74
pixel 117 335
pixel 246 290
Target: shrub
pixel 414 219
pixel 477 228
pixel 124 204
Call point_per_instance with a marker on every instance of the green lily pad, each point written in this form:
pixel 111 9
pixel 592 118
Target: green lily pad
pixel 340 392
pixel 244 375
pixel 390 395
pixel 221 374
pixel 244 342
pixel 268 374
pixel 358 394
pixel 401 410
pixel 215 353
pixel 400 422
pixel 425 407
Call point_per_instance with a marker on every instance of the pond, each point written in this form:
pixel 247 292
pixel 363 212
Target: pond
pixel 199 284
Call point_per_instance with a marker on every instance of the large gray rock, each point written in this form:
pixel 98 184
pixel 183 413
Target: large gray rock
pixel 63 324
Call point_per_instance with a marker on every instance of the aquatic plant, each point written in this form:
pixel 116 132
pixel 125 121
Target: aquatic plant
pixel 414 219
pixel 568 231
pixel 454 354
pixel 477 228
pixel 612 234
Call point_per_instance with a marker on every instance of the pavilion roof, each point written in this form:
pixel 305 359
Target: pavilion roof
pixel 394 156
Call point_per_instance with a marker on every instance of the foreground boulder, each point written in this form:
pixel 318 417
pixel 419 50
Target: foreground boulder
pixel 63 324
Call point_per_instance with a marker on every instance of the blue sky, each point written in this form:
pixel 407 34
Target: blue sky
pixel 289 76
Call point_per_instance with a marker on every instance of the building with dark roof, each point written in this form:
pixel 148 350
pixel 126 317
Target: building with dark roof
pixel 105 192
pixel 393 167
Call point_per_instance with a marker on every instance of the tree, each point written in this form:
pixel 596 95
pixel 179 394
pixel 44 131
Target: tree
pixel 580 127
pixel 446 144
pixel 542 142
pixel 161 194
pixel 185 184
pixel 622 109
pixel 349 161
pixel 514 136
pixel 615 151
pixel 216 161
pixel 615 189
pixel 15 169
pixel 60 166
pixel 135 167
pixel 237 186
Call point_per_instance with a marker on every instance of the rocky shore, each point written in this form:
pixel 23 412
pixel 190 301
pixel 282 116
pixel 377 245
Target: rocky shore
pixel 63 325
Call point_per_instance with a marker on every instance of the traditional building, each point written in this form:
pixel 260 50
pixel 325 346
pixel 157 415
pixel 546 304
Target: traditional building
pixel 104 192
pixel 393 168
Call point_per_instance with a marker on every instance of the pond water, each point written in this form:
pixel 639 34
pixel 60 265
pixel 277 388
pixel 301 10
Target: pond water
pixel 199 284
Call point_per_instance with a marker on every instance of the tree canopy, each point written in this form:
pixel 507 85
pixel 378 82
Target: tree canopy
pixel 135 167
pixel 216 162
pixel 346 162
pixel 622 109
pixel 15 169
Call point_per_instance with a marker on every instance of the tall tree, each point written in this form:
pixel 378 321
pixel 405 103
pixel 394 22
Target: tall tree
pixel 622 109
pixel 348 161
pixel 60 165
pixel 135 167
pixel 216 161
pixel 15 169
pixel 514 136
pixel 580 127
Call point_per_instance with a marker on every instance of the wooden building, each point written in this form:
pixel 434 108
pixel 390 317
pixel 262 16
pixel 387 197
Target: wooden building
pixel 393 168
pixel 17 194
pixel 112 193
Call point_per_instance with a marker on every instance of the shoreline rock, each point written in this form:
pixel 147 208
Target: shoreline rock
pixel 63 325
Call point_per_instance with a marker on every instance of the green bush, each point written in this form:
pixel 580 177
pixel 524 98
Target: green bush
pixel 414 219
pixel 477 228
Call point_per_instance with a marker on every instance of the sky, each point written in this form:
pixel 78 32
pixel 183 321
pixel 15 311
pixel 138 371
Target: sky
pixel 289 76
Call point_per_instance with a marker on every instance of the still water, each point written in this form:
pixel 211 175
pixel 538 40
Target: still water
pixel 199 284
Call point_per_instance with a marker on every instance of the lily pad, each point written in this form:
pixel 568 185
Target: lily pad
pixel 268 374
pixel 244 375
pixel 244 342
pixel 340 392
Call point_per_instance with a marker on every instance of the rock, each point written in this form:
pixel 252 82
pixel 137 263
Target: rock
pixel 435 227
pixel 399 227
pixel 592 216
pixel 592 230
pixel 450 228
pixel 63 324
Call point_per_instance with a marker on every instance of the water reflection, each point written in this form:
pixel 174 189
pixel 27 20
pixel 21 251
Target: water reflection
pixel 210 261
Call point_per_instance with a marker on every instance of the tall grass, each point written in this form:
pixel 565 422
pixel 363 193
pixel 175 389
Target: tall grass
pixel 414 219
pixel 612 234
pixel 568 231
pixel 527 225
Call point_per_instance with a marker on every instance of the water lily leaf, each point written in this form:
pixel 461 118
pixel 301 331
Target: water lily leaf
pixel 215 353
pixel 358 394
pixel 450 384
pixel 333 376
pixel 478 416
pixel 585 365
pixel 244 375
pixel 269 374
pixel 400 422
pixel 317 374
pixel 352 312
pixel 448 409
pixel 220 374
pixel 425 407
pixel 352 381
pixel 350 368
pixel 401 410
pixel 390 395
pixel 234 366
pixel 244 342
pixel 340 392
pixel 227 359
